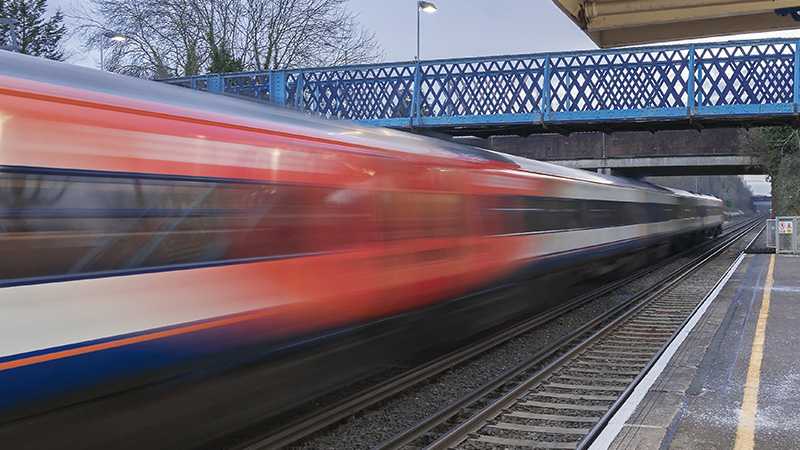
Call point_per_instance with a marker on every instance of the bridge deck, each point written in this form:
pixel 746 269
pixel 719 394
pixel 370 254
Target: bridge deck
pixel 728 83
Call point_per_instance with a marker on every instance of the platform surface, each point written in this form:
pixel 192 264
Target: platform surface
pixel 698 402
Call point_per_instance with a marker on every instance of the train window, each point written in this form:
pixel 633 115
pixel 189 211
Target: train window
pixel 665 212
pixel 419 215
pixel 537 214
pixel 608 214
pixel 643 213
pixel 90 223
pixel 540 214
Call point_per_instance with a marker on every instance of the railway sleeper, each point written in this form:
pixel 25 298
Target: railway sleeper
pixel 539 429
pixel 603 372
pixel 616 359
pixel 655 318
pixel 645 343
pixel 649 327
pixel 650 337
pixel 643 334
pixel 673 310
pixel 581 363
pixel 659 320
pixel 617 352
pixel 587 387
pixel 619 349
pixel 652 326
pixel 552 417
pixel 494 441
pixel 620 379
pixel 563 406
pixel 608 398
pixel 534 436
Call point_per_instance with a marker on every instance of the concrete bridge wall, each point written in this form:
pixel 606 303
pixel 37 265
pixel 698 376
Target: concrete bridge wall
pixel 720 151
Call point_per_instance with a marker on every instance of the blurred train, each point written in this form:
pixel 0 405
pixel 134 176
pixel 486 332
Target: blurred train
pixel 146 228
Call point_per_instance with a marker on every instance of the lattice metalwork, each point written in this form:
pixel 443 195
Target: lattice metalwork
pixel 359 93
pixel 255 85
pixel 482 87
pixel 735 80
pixel 615 81
pixel 755 74
pixel 197 83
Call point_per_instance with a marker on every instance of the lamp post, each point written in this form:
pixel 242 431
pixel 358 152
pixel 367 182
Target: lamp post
pixel 427 7
pixel 115 37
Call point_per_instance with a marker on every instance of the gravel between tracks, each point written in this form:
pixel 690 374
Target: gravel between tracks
pixel 370 428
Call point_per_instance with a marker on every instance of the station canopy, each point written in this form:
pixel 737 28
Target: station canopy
pixel 614 23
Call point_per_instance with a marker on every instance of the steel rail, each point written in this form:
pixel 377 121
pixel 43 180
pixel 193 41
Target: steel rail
pixel 635 303
pixel 312 423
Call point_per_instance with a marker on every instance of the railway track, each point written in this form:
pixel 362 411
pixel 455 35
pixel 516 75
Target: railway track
pixel 307 425
pixel 563 396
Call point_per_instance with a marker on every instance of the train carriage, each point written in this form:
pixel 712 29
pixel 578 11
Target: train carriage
pixel 148 229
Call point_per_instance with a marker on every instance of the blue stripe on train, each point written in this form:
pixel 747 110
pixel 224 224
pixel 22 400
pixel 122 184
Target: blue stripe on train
pixel 42 381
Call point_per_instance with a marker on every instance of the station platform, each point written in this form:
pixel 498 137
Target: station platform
pixel 734 382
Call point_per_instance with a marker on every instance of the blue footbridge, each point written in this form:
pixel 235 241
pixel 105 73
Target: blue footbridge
pixel 737 83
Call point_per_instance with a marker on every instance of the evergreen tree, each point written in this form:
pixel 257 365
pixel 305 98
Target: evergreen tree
pixel 36 34
pixel 222 60
pixel 780 150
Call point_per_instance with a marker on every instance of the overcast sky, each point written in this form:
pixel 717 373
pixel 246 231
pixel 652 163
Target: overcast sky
pixel 460 28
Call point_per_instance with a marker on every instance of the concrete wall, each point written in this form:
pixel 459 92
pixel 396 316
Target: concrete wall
pixel 671 166
pixel 626 144
pixel 719 151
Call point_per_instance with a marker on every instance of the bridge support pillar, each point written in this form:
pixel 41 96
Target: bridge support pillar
pixel 611 171
pixel 605 171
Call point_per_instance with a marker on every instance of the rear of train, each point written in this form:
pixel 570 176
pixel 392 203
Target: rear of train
pixel 151 233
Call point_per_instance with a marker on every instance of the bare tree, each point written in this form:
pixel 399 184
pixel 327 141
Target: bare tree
pixel 161 41
pixel 169 38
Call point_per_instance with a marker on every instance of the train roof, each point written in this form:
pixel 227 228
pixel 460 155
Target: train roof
pixel 124 90
pixel 121 90
pixel 708 199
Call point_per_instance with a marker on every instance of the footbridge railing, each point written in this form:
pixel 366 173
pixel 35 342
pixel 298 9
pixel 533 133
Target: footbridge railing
pixel 728 82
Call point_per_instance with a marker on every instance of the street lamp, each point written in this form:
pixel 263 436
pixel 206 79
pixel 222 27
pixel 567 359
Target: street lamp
pixel 427 7
pixel 113 36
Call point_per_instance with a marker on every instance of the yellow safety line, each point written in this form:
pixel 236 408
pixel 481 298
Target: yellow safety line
pixel 746 432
